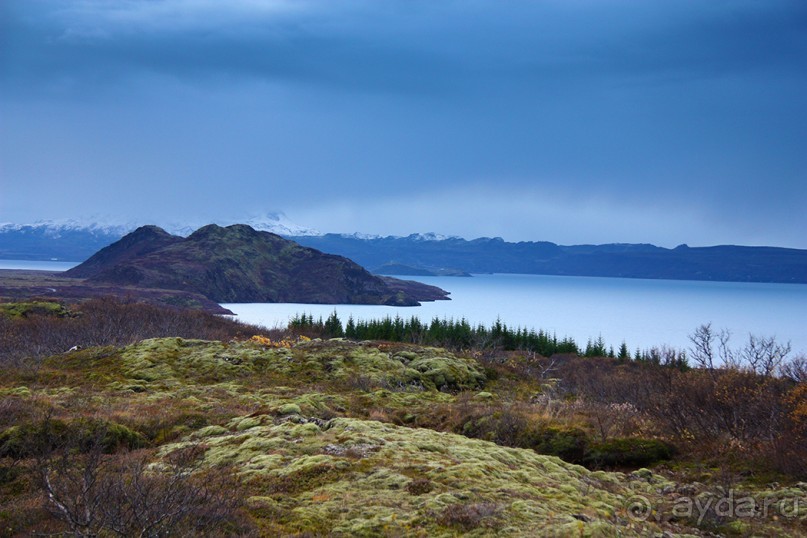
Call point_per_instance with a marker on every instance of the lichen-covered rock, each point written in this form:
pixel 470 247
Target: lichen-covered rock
pixel 366 478
pixel 169 361
pixel 289 409
pixel 448 371
pixel 277 418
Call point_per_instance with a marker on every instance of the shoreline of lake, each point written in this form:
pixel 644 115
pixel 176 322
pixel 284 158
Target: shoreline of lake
pixel 643 313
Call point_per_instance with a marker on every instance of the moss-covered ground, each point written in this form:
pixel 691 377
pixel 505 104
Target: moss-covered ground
pixel 340 438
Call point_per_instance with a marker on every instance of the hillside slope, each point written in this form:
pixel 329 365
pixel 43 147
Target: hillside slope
pixel 240 264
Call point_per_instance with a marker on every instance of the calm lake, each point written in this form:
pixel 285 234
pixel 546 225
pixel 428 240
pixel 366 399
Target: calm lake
pixel 643 313
pixel 42 266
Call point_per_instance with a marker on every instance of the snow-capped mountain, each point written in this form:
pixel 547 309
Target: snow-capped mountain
pixel 431 236
pixel 362 236
pixel 278 223
pixel 274 222
pixel 54 228
pixel 63 240
pixel 78 239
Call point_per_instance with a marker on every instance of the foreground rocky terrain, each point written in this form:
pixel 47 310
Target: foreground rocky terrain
pixel 296 437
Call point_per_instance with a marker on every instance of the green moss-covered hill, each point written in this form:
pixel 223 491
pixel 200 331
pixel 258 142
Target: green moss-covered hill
pixel 240 264
pixel 333 438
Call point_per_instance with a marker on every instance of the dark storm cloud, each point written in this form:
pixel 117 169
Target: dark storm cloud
pixel 674 109
pixel 402 46
pixel 105 41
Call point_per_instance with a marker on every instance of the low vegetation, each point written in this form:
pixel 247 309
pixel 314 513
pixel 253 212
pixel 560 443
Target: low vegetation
pixel 460 334
pixel 128 419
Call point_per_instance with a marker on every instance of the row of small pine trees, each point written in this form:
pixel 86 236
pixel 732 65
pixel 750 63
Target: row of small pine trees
pixel 460 334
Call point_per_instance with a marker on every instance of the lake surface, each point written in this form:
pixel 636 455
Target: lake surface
pixel 38 265
pixel 643 313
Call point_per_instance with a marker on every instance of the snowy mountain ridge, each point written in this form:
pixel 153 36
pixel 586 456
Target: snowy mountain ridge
pixel 54 228
pixel 275 222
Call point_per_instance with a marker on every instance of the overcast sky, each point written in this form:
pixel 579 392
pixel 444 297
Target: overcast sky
pixel 573 121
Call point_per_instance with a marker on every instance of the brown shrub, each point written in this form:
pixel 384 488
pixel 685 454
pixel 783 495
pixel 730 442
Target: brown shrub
pixel 112 322
pixel 467 517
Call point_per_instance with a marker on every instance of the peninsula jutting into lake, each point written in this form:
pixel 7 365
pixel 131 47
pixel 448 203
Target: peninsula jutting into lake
pixel 232 264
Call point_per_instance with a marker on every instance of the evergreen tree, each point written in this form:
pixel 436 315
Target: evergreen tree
pixel 350 328
pixel 333 326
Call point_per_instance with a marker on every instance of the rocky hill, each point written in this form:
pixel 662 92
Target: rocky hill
pixel 239 264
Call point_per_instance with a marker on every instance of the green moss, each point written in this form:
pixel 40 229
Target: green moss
pixel 289 409
pixel 34 308
pixel 171 359
pixel 449 372
pixel 737 528
pixel 403 404
pixel 15 391
pixel 358 477
pixel 406 356
pixel 279 417
pixel 305 430
pixel 29 438
pixel 170 363
pixel 244 423
pixel 209 431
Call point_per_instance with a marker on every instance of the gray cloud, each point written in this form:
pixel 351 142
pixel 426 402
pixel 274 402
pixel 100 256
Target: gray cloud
pixel 218 107
pixel 406 45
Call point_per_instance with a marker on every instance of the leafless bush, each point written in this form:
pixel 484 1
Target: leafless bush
pixel 745 410
pixel 107 321
pixel 92 492
pixel 178 498
pixel 795 369
pixel 762 355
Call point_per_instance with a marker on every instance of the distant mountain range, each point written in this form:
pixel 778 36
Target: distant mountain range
pixel 56 240
pixel 238 264
pixel 431 254
pixel 417 253
pixel 74 240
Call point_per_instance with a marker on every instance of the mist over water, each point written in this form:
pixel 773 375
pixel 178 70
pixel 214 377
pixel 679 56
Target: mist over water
pixel 643 313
